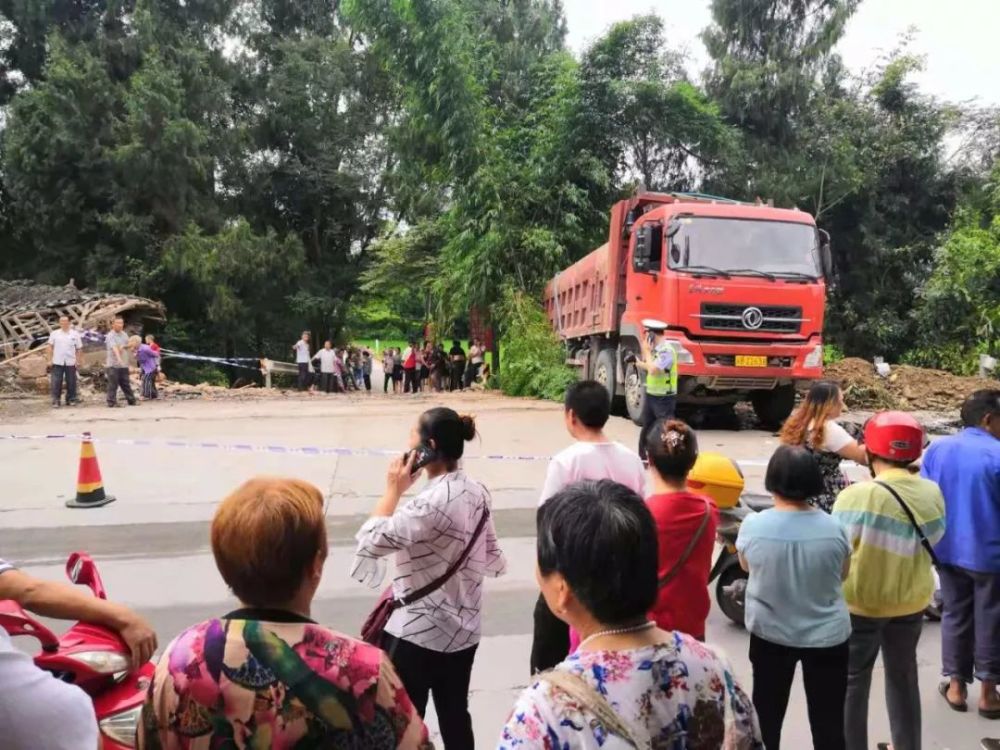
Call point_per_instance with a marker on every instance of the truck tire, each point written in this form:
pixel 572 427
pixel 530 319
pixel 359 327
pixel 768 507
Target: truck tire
pixel 635 394
pixel 606 373
pixel 773 407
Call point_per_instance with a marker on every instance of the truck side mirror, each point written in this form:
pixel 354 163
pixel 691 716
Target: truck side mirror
pixel 643 249
pixel 826 254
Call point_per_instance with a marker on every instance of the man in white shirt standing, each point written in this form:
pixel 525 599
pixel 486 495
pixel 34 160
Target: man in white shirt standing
pixel 64 343
pixel 591 457
pixel 302 359
pixel 327 357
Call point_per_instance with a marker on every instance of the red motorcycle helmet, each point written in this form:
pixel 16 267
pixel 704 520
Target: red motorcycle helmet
pixel 894 436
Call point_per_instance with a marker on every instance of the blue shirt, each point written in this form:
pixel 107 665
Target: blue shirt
pixel 967 468
pixel 664 357
pixel 794 595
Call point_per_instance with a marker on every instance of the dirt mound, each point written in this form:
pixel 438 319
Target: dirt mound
pixel 909 388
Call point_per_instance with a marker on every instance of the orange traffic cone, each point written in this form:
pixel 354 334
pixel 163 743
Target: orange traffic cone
pixel 89 486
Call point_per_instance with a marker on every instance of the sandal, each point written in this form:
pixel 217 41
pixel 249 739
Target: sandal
pixel 959 707
pixel 990 713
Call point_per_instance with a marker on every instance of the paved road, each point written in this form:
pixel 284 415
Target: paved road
pixel 152 545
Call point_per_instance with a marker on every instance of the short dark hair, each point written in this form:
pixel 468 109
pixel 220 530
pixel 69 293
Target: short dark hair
pixel 793 473
pixel 589 400
pixel 979 406
pixel 672 448
pixel 601 538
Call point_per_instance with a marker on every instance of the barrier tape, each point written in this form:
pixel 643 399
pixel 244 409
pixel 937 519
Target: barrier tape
pixel 175 353
pixel 311 451
pixel 98 337
pixel 214 360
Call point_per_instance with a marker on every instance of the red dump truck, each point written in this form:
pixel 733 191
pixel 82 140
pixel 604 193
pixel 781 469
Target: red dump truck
pixel 741 287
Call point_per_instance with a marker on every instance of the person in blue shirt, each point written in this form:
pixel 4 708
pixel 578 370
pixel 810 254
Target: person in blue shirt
pixel 797 557
pixel 967 468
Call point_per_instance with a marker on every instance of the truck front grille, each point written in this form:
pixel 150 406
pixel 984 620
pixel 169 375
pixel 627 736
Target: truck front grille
pixel 744 317
pixel 740 384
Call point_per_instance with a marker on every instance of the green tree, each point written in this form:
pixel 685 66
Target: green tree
pixel 959 305
pixel 56 165
pixel 767 57
pixel 886 228
pixel 646 120
pixel 243 281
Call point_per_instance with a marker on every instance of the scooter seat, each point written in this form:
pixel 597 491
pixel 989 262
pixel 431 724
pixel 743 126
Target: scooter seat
pixel 757 503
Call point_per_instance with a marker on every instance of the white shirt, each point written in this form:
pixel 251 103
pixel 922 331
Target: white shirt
pixel 31 698
pixel 835 437
pixel 65 345
pixel 594 461
pixel 326 359
pixel 301 351
pixel 427 533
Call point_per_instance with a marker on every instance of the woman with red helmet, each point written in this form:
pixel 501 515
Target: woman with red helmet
pixel 892 522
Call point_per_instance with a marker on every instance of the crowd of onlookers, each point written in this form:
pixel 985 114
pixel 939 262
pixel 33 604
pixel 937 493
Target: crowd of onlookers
pixel 838 573
pixel 417 367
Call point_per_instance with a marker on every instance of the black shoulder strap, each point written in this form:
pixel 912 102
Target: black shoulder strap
pixel 672 573
pixel 913 520
pixel 437 583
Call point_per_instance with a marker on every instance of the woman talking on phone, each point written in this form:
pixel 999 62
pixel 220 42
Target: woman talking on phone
pixel 444 544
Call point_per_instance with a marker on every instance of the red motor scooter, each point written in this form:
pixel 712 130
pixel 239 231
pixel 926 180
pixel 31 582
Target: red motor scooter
pixel 90 656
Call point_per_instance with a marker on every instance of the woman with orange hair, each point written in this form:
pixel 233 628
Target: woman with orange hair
pixel 814 427
pixel 266 675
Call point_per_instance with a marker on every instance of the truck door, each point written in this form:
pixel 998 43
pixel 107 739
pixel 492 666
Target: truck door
pixel 644 285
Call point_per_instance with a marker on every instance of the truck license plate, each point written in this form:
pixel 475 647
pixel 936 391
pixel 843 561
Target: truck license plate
pixel 744 360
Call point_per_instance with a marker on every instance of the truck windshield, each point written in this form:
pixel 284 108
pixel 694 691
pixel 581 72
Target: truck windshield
pixel 747 246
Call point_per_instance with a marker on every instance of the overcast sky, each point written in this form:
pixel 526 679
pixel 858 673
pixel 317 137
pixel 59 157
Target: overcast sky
pixel 960 39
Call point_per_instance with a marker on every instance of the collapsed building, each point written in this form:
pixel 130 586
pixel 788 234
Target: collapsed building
pixel 30 311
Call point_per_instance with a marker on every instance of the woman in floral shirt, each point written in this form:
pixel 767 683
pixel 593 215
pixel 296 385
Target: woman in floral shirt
pixel 266 676
pixel 629 684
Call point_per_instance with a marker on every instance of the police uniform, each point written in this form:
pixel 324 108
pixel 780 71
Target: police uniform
pixel 661 387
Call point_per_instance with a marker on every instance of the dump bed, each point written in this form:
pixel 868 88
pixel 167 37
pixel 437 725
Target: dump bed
pixel 587 298
pixel 579 300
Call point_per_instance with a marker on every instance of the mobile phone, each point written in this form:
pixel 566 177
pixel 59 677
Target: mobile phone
pixel 425 455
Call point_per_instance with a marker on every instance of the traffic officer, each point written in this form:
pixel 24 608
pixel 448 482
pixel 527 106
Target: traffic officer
pixel 659 360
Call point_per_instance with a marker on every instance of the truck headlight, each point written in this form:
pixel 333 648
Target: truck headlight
pixel 815 357
pixel 122 727
pixel 684 357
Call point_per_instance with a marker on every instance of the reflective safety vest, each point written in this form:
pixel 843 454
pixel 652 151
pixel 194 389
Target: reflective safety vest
pixel 664 383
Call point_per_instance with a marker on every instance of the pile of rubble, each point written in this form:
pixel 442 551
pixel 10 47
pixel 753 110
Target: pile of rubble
pixel 905 387
pixel 28 311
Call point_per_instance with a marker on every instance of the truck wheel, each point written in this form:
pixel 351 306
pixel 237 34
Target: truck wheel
pixel 635 395
pixel 773 407
pixel 605 372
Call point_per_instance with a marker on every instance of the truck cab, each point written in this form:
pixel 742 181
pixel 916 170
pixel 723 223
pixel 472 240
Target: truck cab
pixel 741 287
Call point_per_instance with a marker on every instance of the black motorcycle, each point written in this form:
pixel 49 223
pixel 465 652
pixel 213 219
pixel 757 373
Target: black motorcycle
pixel 731 579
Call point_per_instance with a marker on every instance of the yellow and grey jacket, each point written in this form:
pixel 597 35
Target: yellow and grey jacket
pixel 890 570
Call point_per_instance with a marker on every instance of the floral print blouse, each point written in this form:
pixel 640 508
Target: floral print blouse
pixel 275 682
pixel 675 696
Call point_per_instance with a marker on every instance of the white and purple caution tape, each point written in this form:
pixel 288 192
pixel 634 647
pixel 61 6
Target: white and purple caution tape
pixel 240 362
pixel 289 450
